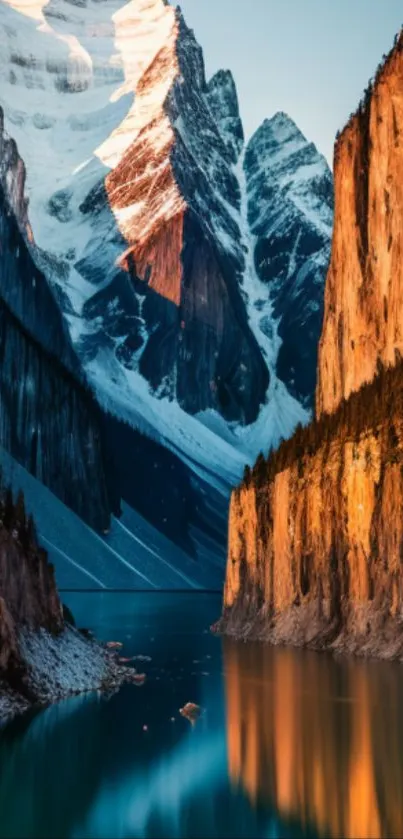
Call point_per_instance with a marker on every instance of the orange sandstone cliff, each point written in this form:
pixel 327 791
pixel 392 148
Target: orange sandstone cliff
pixel 316 532
pixel 364 287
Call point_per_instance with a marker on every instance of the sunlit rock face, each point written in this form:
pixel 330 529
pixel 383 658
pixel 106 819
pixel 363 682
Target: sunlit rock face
pixel 315 536
pixel 290 210
pixel 364 290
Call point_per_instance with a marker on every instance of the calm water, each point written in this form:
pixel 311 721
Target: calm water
pixel 289 743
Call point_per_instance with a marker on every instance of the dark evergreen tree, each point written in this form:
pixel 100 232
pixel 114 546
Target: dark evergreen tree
pixel 9 511
pixel 32 537
pixel 20 514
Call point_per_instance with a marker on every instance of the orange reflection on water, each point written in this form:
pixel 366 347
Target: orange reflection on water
pixel 321 740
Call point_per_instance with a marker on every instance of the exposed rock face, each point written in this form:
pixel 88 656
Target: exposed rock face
pixel 315 534
pixel 222 100
pixel 48 419
pixel 364 289
pixel 290 210
pixel 42 658
pixel 28 596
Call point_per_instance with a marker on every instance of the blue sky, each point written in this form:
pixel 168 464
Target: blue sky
pixel 310 58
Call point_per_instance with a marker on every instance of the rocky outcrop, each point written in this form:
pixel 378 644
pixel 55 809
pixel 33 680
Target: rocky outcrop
pixel 28 596
pixel 364 288
pixel 49 420
pixel 42 657
pixel 315 538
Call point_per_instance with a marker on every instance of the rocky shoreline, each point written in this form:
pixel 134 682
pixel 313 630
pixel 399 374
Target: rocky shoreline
pixel 366 630
pixel 59 666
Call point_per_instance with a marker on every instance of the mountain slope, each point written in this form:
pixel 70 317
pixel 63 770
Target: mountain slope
pixel 139 209
pixel 133 555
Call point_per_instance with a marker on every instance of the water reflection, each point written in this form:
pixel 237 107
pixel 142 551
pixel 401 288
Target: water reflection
pixel 318 740
pixel 286 744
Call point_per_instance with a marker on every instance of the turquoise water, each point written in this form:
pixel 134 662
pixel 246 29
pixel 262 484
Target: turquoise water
pixel 288 743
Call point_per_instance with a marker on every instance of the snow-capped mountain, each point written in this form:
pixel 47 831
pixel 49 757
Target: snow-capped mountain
pixel 290 212
pixel 189 268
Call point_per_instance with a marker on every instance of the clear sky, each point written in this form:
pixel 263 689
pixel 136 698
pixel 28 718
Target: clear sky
pixel 310 58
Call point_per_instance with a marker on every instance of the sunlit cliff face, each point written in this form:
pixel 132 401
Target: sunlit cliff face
pixel 306 737
pixel 315 541
pixel 364 288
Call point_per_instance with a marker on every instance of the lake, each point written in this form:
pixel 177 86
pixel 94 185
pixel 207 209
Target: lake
pixel 288 744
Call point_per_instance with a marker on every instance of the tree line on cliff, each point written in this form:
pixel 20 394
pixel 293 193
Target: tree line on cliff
pixel 14 518
pixel 367 408
pixel 372 84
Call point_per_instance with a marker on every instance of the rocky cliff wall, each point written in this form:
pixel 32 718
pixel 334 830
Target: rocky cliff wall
pixel 316 533
pixel 28 594
pixel 364 288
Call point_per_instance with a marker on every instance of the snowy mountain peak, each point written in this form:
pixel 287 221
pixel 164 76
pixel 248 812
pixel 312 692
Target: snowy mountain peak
pixel 223 102
pixel 290 211
pixel 280 158
pixel 279 144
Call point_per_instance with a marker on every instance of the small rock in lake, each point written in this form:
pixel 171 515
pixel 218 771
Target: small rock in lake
pixel 114 645
pixel 138 678
pixel 191 712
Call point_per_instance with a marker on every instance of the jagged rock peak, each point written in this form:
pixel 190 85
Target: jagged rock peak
pixel 289 190
pixel 222 98
pixel 279 143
